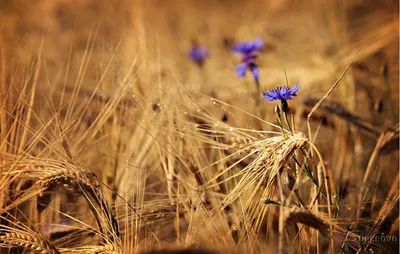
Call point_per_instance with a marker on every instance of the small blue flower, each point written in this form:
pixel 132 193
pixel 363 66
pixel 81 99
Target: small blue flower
pixel 198 54
pixel 248 49
pixel 281 93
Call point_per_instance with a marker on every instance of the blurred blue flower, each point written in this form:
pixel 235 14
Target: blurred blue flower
pixel 281 93
pixel 248 49
pixel 198 54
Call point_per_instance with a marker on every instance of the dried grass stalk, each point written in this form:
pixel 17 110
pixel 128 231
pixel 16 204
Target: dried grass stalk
pixel 389 140
pixel 338 110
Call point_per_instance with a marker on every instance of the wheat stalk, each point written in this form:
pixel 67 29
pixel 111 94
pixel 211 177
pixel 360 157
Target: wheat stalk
pixel 29 241
pixel 108 248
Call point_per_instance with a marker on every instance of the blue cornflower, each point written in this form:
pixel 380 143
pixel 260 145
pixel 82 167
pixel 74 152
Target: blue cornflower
pixel 198 54
pixel 281 93
pixel 248 49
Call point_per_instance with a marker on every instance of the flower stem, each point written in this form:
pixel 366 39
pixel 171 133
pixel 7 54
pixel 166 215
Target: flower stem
pixel 258 92
pixel 258 101
pixel 307 170
pixel 258 109
pixel 285 107
pixel 287 122
pixel 278 116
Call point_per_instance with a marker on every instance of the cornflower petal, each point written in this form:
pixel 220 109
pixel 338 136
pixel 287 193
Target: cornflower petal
pixel 241 70
pixel 295 89
pixel 254 70
pixel 268 96
pixel 247 47
pixel 258 44
pixel 240 47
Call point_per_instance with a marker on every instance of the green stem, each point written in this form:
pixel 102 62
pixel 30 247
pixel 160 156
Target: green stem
pixel 308 171
pixel 258 110
pixel 278 116
pixel 287 121
pixel 296 194
pixel 258 93
pixel 270 201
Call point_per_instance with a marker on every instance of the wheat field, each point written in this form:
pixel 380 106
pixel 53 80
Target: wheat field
pixel 113 140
